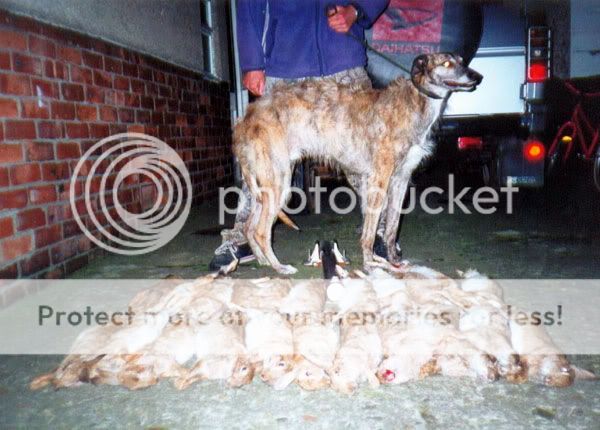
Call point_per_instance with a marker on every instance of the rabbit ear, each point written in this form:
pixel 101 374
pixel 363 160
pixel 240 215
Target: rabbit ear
pixel 41 381
pixel 285 380
pixel 583 374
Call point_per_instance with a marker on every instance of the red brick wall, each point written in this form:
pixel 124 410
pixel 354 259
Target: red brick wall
pixel 61 92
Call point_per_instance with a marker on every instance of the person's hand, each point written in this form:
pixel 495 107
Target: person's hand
pixel 254 81
pixel 341 18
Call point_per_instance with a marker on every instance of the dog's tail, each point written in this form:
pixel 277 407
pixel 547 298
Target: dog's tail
pixel 255 189
pixel 287 220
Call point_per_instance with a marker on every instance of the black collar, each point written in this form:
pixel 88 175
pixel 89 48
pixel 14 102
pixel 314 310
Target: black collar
pixel 425 91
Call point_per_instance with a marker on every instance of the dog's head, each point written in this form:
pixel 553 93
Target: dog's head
pixel 440 74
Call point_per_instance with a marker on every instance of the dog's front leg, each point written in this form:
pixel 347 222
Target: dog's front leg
pixel 376 195
pixel 396 195
pixel 359 184
pixel 395 199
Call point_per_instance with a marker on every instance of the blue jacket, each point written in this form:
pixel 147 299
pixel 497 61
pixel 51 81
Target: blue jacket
pixel 298 41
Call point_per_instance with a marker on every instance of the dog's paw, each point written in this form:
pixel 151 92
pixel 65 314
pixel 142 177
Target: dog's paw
pixel 286 269
pixel 394 253
pixel 262 261
pixel 376 261
pixel 395 258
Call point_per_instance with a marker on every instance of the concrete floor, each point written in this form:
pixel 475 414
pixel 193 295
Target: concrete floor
pixel 431 403
pixel 552 234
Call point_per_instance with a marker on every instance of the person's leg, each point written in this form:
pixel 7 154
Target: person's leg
pixel 357 76
pixel 234 244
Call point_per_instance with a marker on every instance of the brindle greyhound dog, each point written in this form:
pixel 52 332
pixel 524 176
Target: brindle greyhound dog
pixel 378 137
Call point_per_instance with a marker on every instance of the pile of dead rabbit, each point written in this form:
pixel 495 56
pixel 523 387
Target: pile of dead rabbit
pixel 385 328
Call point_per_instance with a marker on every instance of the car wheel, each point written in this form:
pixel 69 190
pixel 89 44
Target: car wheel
pixel 485 175
pixel 489 173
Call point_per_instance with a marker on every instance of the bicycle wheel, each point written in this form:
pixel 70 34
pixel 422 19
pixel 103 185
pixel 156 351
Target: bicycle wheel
pixel 597 169
pixel 556 153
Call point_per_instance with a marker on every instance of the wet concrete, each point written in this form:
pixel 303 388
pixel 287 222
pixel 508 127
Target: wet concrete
pixel 431 403
pixel 551 234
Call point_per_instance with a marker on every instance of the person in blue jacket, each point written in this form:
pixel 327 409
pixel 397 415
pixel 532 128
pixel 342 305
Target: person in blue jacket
pixel 292 40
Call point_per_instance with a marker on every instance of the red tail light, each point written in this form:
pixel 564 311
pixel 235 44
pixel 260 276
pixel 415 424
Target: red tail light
pixel 537 72
pixel 534 151
pixel 470 142
pixel 539 54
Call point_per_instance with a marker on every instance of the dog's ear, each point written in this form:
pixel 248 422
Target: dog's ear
pixel 419 65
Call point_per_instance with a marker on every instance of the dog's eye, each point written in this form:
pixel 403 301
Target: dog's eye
pixel 447 64
pixel 244 369
pixel 281 363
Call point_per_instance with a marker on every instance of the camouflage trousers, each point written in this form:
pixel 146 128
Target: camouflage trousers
pixel 355 76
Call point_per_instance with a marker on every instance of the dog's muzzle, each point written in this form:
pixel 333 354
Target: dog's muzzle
pixel 474 79
pixel 474 76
